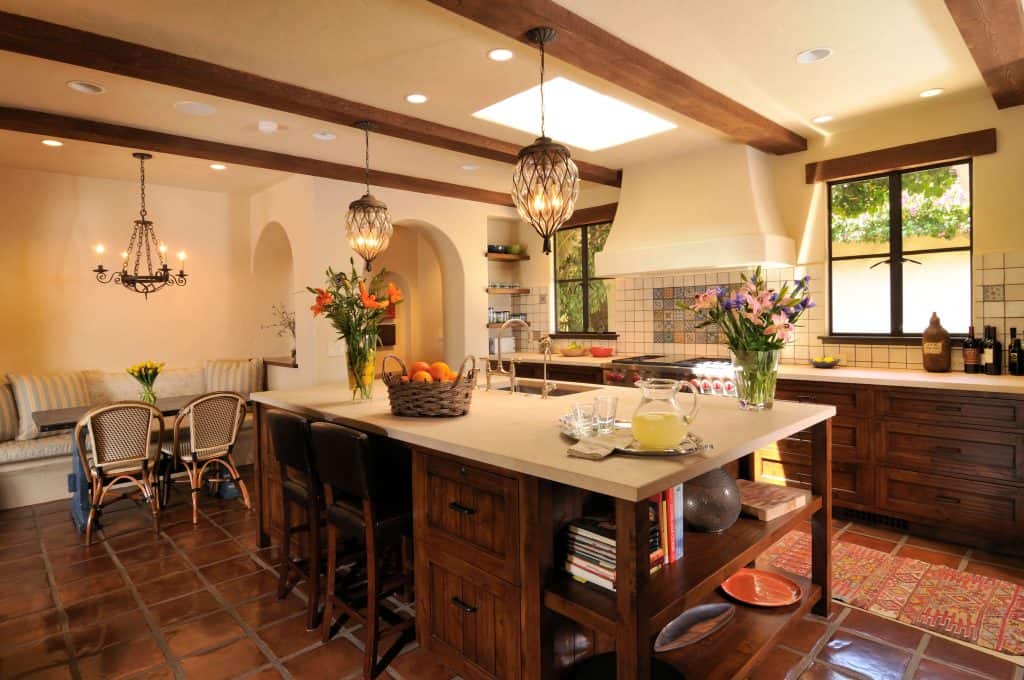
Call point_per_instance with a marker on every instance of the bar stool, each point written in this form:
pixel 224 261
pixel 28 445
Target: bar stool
pixel 368 495
pixel 114 446
pixel 289 442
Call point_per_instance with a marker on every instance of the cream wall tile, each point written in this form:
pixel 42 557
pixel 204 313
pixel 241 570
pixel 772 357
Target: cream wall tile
pixel 991 277
pixel 1014 259
pixel 993 309
pixel 1015 308
pixel 992 261
pixel 1014 291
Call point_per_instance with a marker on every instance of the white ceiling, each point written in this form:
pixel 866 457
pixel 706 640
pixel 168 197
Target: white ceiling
pixel 377 51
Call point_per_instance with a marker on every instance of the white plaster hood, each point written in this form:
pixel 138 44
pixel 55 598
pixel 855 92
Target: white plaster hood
pixel 708 210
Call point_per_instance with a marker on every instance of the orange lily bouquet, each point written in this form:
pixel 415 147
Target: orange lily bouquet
pixel 355 307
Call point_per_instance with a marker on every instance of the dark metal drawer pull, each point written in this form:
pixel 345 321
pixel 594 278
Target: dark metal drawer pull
pixel 948 409
pixel 805 397
pixel 461 509
pixel 947 449
pixel 947 499
pixel 463 606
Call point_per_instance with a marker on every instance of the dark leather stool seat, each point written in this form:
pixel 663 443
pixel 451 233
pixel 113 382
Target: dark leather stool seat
pixel 296 491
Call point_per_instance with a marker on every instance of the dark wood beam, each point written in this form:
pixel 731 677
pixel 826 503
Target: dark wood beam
pixel 956 147
pixel 66 127
pixel 600 53
pixel 994 33
pixel 45 40
pixel 598 214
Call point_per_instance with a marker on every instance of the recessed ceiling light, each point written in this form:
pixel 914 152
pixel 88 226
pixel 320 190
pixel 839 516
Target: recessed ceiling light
pixel 814 54
pixel 500 54
pixel 416 98
pixel 52 142
pixel 470 166
pixel 576 115
pixel 86 87
pixel 195 108
pixel 325 136
pixel 932 92
pixel 821 119
pixel 267 127
pixel 218 166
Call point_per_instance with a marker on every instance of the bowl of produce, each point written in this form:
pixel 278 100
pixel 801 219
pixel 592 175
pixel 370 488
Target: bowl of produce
pixel 514 249
pixel 573 349
pixel 601 351
pixel 825 362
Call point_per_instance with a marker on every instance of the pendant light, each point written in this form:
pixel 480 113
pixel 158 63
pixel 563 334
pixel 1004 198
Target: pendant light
pixel 546 181
pixel 368 224
pixel 146 253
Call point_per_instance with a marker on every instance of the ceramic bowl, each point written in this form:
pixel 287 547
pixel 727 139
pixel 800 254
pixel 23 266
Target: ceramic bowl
pixel 818 363
pixel 514 249
pixel 572 352
pixel 601 352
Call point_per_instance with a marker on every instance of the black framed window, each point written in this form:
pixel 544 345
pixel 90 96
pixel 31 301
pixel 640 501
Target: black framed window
pixel 582 300
pixel 900 249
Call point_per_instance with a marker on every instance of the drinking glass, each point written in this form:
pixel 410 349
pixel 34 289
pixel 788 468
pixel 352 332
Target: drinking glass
pixel 605 409
pixel 583 414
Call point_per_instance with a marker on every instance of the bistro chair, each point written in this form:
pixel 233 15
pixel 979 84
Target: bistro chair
pixel 368 495
pixel 204 434
pixel 114 446
pixel 288 436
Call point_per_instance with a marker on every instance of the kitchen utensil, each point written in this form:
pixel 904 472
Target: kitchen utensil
pixel 659 422
pixel 762 588
pixel 693 625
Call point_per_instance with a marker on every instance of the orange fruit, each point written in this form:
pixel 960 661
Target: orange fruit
pixel 439 369
pixel 405 378
pixel 418 366
pixel 422 376
pixel 451 377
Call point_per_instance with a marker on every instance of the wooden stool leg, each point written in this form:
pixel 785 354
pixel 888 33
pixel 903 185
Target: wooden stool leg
pixel 407 569
pixel 286 556
pixel 332 569
pixel 372 600
pixel 94 503
pixel 237 479
pixel 313 551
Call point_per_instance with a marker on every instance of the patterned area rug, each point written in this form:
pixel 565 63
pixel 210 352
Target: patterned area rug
pixel 984 611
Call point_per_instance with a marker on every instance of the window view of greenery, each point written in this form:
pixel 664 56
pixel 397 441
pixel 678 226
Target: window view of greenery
pixel 581 299
pixel 915 258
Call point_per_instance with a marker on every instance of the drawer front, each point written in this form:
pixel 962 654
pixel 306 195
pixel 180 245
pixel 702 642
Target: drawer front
pixel 565 372
pixel 470 619
pixel 474 513
pixel 849 400
pixel 983 507
pixel 853 484
pixel 952 450
pixel 851 441
pixel 948 407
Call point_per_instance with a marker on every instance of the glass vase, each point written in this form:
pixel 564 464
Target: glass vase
pixel 756 374
pixel 361 358
pixel 148 395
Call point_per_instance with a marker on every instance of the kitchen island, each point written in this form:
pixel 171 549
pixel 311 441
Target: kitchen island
pixel 492 492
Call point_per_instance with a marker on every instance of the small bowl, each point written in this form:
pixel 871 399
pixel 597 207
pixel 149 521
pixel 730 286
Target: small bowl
pixel 601 352
pixel 514 249
pixel 572 352
pixel 817 363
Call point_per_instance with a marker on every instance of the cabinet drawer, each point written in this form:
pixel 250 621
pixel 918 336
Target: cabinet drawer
pixel 469 618
pixel 953 407
pixel 851 441
pixel 849 400
pixel 952 450
pixel 982 507
pixel 852 483
pixel 564 372
pixel 473 513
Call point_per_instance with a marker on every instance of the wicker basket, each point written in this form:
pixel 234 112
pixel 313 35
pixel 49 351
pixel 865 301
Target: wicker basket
pixel 437 399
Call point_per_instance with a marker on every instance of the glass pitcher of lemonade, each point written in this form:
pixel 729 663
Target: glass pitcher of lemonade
pixel 660 422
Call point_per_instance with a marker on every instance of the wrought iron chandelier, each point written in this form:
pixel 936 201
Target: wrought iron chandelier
pixel 147 254
pixel 368 224
pixel 546 181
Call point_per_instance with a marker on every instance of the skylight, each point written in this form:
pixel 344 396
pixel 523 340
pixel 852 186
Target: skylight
pixel 576 115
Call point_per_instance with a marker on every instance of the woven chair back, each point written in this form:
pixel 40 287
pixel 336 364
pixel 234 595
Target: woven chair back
pixel 120 433
pixel 214 422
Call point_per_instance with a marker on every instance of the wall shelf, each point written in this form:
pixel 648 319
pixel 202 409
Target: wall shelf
pixel 506 257
pixel 508 291
pixel 498 325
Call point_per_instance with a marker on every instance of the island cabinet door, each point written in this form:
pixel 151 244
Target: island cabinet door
pixel 470 618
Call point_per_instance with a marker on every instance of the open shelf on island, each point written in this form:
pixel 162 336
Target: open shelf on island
pixel 709 559
pixel 507 257
pixel 508 291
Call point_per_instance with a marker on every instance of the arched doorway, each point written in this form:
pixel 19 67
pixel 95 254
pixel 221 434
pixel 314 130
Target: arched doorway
pixel 273 287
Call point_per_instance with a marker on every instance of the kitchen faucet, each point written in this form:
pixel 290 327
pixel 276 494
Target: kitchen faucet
pixel 512 362
pixel 545 347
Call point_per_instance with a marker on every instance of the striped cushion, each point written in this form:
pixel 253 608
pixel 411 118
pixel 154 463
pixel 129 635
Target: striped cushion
pixel 244 376
pixel 48 447
pixel 8 413
pixel 44 392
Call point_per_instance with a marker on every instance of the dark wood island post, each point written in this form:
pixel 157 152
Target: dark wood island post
pixel 821 521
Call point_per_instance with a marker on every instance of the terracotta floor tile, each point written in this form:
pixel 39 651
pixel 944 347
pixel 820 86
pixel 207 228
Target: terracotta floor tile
pixel 199 537
pixel 229 569
pixel 996 571
pixel 16 535
pixel 185 528
pixel 169 587
pixel 214 552
pixel 998 558
pixel 270 673
pixel 27 581
pixel 138 539
pixel 236 512
pixel 873 659
pixel 873 542
pixel 248 587
pixel 776 665
pixel 25 629
pixel 202 633
pixel 882 629
pixel 124 627
pixel 65 557
pixel 819 671
pixel 941 546
pixel 804 634
pixel 71 592
pixel 121 660
pixel 284 638
pixel 97 566
pixel 268 609
pixel 146 553
pixel 877 532
pixel 50 507
pixel 929 556
pixel 25 603
pixel 155 673
pixel 420 664
pixel 17 552
pixel 225 662
pixel 45 654
pixel 61 536
pixel 249 542
pixel 148 571
pixel 933 670
pixel 187 607
pixel 52 673
pixel 241 526
pixel 12 571
pixel 339 658
pixel 956 654
pixel 127 524
pixel 14 514
pixel 88 612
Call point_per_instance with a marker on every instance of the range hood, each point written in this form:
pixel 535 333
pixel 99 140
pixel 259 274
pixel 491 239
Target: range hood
pixel 709 210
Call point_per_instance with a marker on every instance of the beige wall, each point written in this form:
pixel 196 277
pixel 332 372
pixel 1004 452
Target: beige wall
pixel 55 316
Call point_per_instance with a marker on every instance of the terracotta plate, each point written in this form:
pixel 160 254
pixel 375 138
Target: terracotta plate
pixel 762 588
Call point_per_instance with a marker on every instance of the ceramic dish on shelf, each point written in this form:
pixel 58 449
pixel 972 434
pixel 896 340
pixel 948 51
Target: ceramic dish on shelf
pixel 693 625
pixel 762 588
pixel 690 445
pixel 825 362
pixel 601 352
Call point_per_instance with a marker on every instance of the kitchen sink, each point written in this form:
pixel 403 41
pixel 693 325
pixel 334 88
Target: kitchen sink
pixel 562 390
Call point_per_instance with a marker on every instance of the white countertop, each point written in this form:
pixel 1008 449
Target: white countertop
pixel 520 433
pixel 538 357
pixel 906 377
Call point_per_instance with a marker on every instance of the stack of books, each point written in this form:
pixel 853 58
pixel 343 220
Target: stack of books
pixel 590 549
pixel 670 517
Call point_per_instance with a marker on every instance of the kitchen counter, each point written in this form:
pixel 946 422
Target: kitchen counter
pixel 903 377
pixel 520 433
pixel 538 358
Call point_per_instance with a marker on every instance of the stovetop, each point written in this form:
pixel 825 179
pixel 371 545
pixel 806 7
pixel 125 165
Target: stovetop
pixel 670 360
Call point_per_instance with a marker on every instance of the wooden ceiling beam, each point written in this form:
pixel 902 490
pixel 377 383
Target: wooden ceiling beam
pixel 598 52
pixel 66 127
pixel 45 40
pixel 994 33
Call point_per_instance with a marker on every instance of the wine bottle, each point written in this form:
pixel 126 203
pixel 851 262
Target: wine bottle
pixel 995 366
pixel 1015 358
pixel 985 356
pixel 970 352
